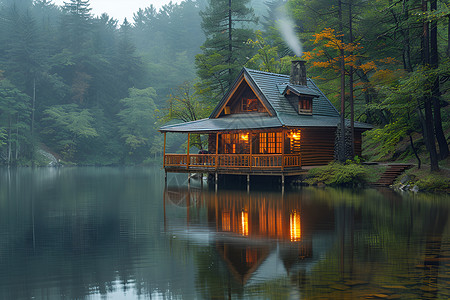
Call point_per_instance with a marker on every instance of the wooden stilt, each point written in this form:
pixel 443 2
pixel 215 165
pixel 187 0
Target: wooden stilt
pixel 188 146
pixel 164 152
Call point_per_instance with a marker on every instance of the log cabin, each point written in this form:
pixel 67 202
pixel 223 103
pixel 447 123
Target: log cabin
pixel 266 124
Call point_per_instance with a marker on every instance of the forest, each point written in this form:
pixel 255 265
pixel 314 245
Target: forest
pixel 92 91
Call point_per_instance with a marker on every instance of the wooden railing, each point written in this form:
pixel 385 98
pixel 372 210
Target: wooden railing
pixel 213 161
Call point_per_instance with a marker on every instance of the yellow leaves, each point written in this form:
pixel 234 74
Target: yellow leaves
pixel 368 66
pixel 326 34
pixel 322 64
pixel 308 55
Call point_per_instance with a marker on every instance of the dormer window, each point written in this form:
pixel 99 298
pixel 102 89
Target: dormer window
pixel 305 105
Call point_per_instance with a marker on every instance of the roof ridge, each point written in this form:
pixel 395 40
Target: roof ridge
pixel 265 72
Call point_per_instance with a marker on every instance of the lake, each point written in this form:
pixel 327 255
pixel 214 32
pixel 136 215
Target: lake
pixel 118 233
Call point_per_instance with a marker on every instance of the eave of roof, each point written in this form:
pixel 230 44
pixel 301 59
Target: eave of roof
pixel 226 123
pixel 297 89
pixel 255 121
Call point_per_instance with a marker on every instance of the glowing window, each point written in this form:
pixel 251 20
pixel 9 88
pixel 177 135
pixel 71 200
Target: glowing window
pixel 270 142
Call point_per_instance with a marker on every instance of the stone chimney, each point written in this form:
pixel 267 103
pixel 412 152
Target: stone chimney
pixel 298 72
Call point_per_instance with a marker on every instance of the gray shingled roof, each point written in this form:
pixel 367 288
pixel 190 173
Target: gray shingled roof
pixel 271 87
pixel 226 123
pixel 269 83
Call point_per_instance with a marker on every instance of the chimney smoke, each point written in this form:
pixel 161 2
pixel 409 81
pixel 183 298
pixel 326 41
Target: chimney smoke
pixel 298 72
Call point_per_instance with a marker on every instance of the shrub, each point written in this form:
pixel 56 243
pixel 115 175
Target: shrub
pixel 338 174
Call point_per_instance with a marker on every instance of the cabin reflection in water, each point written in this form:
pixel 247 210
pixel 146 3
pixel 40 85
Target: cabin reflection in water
pixel 258 234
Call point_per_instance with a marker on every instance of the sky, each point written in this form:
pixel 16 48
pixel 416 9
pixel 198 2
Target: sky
pixel 119 9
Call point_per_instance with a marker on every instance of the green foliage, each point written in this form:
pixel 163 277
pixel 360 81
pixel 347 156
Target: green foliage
pixel 14 117
pixel 137 122
pixel 225 50
pixel 66 127
pixel 337 174
pixel 433 183
pixel 428 182
pixel 267 58
pixel 2 137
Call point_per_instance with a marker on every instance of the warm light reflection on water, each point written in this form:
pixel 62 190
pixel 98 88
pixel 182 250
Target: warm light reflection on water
pixel 116 233
pixel 295 226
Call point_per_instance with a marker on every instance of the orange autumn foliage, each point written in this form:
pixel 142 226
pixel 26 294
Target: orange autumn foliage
pixel 323 58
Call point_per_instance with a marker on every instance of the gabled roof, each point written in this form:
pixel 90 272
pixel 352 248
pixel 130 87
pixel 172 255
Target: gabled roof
pixel 269 84
pixel 270 88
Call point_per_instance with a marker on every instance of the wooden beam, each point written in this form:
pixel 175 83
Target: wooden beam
pixel 283 142
pixel 188 146
pixel 164 154
pixel 250 139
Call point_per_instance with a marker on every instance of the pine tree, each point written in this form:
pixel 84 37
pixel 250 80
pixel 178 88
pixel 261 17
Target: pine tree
pixel 76 24
pixel 225 51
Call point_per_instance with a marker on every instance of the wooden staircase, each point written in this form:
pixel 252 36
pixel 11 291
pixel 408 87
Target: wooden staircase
pixel 391 173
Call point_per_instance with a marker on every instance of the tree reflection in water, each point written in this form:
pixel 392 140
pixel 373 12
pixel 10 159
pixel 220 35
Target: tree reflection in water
pixel 115 233
pixel 319 243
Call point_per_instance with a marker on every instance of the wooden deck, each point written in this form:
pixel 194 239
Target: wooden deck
pixel 250 164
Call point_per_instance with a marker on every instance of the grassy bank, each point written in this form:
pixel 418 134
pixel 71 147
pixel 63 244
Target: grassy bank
pixel 355 174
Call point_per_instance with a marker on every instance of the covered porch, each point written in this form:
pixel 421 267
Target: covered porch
pixel 255 152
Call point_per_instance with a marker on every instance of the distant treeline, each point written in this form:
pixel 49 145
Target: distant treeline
pixel 87 88
pixel 94 91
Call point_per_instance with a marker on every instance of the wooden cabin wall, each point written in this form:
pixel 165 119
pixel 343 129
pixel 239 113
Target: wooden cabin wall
pixel 212 143
pixel 317 146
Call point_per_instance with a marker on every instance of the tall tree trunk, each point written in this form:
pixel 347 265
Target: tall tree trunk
pixel 419 162
pixel 350 83
pixel 406 40
pixel 342 155
pixel 434 62
pixel 428 130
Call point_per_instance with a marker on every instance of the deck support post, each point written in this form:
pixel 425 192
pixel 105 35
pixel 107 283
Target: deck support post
pixel 251 150
pixel 188 146
pixel 282 150
pixel 164 152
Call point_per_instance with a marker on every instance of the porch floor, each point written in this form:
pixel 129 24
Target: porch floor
pixel 293 171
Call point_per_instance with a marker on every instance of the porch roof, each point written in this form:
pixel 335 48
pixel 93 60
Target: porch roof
pixel 256 121
pixel 226 123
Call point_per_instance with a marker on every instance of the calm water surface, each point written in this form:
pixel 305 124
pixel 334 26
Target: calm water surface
pixel 116 233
